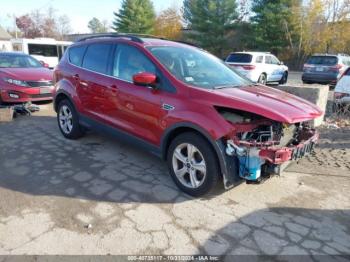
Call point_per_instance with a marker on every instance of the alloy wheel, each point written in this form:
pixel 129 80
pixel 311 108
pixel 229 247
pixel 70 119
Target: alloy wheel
pixel 66 119
pixel 189 165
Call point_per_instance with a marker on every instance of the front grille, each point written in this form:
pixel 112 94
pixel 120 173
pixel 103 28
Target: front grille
pixel 39 83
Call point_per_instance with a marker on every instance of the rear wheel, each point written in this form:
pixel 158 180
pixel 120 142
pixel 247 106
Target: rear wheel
pixel 193 164
pixel 68 120
pixel 262 79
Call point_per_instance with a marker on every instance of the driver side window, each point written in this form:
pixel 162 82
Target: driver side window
pixel 129 61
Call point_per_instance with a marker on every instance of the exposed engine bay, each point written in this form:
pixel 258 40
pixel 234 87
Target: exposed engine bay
pixel 261 145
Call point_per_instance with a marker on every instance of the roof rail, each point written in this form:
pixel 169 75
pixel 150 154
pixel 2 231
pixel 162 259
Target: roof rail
pixel 116 35
pixel 133 37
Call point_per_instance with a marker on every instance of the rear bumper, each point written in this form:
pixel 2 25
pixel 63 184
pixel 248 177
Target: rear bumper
pixel 320 78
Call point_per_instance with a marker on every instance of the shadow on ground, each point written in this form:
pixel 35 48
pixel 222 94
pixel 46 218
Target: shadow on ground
pixel 286 234
pixel 37 160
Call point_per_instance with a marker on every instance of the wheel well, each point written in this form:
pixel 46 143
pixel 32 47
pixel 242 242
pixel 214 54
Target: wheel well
pixel 60 97
pixel 180 130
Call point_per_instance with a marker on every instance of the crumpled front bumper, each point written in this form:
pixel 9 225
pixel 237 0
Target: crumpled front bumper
pixel 279 156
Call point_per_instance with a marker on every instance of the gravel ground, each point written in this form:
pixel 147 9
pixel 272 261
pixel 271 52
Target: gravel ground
pixel 99 196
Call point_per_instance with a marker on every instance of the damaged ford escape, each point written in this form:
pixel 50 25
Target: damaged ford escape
pixel 184 105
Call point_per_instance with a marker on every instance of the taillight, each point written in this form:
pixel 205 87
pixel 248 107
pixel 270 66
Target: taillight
pixel 249 67
pixel 336 68
pixel 306 67
pixel 338 95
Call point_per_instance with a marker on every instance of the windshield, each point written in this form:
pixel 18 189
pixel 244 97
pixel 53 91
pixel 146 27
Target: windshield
pixel 198 68
pixel 323 60
pixel 18 61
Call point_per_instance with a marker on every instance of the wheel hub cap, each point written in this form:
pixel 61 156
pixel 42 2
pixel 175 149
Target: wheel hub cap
pixel 189 165
pixel 65 118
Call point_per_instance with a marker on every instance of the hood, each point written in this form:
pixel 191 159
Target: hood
pixel 28 74
pixel 268 102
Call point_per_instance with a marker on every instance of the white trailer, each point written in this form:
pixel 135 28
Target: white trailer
pixel 46 50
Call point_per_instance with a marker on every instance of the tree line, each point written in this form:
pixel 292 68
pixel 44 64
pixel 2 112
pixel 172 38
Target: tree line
pixel 291 29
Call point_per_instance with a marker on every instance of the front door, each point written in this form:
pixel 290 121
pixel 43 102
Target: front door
pixel 138 108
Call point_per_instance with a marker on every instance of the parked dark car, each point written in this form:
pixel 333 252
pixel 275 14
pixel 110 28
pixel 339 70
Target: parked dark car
pixel 184 105
pixel 325 69
pixel 24 79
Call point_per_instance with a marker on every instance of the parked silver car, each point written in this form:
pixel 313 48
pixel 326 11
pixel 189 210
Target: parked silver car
pixel 342 90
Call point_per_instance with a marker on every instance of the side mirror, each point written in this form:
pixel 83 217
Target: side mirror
pixel 44 64
pixel 281 63
pixel 145 79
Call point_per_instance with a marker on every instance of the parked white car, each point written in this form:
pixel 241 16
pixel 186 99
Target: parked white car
pixel 342 89
pixel 259 67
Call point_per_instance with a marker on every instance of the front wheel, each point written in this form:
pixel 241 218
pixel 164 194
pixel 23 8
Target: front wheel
pixel 68 120
pixel 284 79
pixel 193 164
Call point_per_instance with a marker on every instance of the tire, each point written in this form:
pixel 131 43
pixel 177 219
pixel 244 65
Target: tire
pixel 307 82
pixel 196 175
pixel 262 79
pixel 284 79
pixel 67 114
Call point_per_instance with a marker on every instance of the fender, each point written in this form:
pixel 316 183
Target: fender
pixel 228 165
pixel 65 87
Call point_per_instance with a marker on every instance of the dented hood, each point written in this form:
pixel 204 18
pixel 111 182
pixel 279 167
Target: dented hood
pixel 268 102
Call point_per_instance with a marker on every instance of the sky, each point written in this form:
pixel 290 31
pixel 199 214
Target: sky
pixel 79 11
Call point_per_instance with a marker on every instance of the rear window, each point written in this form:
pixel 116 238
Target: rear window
pixel 323 60
pixel 96 58
pixel 239 58
pixel 76 55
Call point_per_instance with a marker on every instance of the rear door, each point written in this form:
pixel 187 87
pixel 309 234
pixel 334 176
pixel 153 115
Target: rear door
pixel 93 82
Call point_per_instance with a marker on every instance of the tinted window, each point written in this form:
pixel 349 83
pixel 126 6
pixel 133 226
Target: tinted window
pixel 76 55
pixel 18 61
pixel 323 60
pixel 197 68
pixel 239 58
pixel 130 61
pixel 96 58
pixel 43 50
pixel 259 59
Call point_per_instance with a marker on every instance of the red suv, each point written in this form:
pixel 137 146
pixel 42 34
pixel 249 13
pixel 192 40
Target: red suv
pixel 184 105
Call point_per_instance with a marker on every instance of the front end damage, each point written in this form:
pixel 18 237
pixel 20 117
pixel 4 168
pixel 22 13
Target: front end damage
pixel 260 146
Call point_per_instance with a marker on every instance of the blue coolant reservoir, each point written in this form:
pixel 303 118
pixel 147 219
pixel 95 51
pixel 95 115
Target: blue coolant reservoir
pixel 250 165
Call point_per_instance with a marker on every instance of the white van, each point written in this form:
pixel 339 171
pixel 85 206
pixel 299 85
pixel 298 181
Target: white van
pixel 46 50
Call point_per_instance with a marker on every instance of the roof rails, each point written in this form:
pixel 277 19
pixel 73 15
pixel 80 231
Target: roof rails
pixel 111 35
pixel 133 37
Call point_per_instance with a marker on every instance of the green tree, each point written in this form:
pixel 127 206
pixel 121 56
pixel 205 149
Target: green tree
pixel 135 16
pixel 210 22
pixel 272 22
pixel 96 26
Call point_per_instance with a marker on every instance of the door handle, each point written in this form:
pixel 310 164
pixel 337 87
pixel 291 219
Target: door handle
pixel 76 77
pixel 114 90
